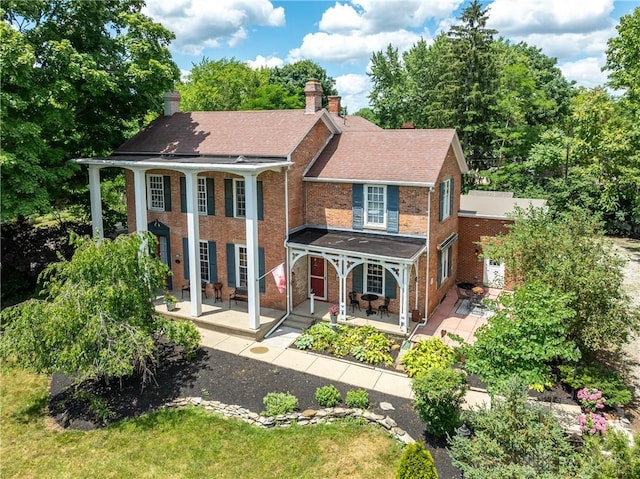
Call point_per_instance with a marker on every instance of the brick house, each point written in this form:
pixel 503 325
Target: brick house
pixel 345 205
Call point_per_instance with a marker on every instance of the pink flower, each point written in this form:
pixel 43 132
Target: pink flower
pixel 593 423
pixel 591 399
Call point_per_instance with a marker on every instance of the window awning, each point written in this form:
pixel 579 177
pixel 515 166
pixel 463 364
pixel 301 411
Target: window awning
pixel 448 242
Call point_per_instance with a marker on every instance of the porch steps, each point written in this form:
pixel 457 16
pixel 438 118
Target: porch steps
pixel 296 321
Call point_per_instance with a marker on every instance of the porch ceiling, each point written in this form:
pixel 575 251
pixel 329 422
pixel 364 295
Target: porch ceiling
pixel 402 248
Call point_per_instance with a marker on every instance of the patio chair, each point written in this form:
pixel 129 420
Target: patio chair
pixel 353 301
pixel 384 308
pixel 187 288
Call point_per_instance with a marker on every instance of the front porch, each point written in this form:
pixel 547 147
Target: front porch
pixel 218 316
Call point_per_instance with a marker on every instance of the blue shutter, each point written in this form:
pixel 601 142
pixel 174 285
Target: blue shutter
pixel 393 200
pixel 356 279
pixel 261 269
pixel 441 202
pixel 228 197
pixel 185 257
pixel 439 268
pixel 357 206
pixel 211 199
pixel 213 262
pixel 183 194
pixel 260 201
pixel 167 192
pixel 451 197
pixel 389 284
pixel 231 264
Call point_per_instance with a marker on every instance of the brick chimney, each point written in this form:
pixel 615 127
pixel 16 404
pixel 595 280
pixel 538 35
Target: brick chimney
pixel 313 95
pixel 334 105
pixel 171 103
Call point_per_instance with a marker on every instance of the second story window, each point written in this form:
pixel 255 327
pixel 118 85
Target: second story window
pixel 446 198
pixel 202 196
pixel 155 192
pixel 239 199
pixel 375 206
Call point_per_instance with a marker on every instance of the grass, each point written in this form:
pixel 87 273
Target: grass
pixel 178 444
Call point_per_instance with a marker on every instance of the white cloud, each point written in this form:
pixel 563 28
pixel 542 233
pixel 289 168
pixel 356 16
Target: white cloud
pixel 565 45
pixel 354 90
pixel 586 72
pixel 341 19
pixel 525 17
pixel 261 61
pixel 199 24
pixel 184 75
pixel 353 47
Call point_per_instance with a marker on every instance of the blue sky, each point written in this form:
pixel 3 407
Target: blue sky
pixel 342 35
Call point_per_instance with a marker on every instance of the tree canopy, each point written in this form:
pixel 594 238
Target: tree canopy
pixel 77 79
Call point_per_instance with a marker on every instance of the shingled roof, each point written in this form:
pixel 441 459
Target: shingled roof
pixel 268 133
pixel 387 156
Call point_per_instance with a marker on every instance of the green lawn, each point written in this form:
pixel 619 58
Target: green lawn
pixel 178 444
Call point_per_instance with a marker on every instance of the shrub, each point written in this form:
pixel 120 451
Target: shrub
pixel 416 463
pixel 328 396
pixel 596 376
pixel 358 398
pixel 319 337
pixel 439 393
pixel 182 333
pixel 279 403
pixel 427 354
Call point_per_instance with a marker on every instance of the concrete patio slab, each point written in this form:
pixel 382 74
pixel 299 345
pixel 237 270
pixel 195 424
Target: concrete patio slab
pixel 360 376
pixel 283 337
pixel 235 344
pixel 394 384
pixel 327 368
pixel 296 360
pixel 210 338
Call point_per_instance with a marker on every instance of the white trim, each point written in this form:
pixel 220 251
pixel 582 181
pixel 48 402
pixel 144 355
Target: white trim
pixel 457 151
pixel 445 205
pixel 368 181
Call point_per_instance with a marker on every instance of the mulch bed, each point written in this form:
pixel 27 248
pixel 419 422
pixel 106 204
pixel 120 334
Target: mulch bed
pixel 223 377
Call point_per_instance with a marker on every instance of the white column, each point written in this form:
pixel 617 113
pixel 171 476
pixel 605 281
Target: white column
pixel 251 226
pixel 96 202
pixel 193 240
pixel 342 293
pixel 140 191
pixel 404 297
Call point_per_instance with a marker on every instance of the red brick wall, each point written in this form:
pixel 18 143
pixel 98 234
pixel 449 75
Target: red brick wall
pixel 470 267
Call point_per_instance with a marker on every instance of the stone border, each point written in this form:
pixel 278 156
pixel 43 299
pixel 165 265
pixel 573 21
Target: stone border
pixel 305 418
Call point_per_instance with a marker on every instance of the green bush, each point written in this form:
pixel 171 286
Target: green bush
pixel 358 398
pixel 597 376
pixel 279 403
pixel 319 337
pixel 183 333
pixel 328 396
pixel 427 354
pixel 416 463
pixel 439 393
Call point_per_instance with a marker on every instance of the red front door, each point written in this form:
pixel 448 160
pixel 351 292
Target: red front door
pixel 317 277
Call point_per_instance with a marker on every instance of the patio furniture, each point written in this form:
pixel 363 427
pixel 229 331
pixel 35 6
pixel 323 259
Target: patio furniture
pixel 463 293
pixel 187 288
pixel 238 294
pixel 217 292
pixel 384 308
pixel 369 297
pixel 353 301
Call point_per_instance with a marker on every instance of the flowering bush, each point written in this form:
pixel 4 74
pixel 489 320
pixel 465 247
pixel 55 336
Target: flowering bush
pixel 591 399
pixel 593 423
pixel 333 309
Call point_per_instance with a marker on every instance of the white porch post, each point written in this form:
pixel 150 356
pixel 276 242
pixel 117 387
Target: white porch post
pixel 193 241
pixel 140 191
pixel 342 294
pixel 96 202
pixel 251 225
pixel 404 297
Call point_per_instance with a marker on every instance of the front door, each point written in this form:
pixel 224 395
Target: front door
pixel 163 254
pixel 318 277
pixel 493 273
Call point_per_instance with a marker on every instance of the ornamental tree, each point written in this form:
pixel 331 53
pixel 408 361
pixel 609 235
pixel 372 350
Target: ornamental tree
pixel 97 320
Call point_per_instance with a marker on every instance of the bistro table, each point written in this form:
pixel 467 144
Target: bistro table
pixel 369 297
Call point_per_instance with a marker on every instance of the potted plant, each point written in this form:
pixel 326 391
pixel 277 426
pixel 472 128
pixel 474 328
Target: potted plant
pixel 333 312
pixel 170 301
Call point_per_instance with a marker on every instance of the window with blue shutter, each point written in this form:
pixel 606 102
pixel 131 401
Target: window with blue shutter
pixel 357 206
pixel 231 265
pixel 185 257
pixel 234 198
pixel 393 206
pixel 213 262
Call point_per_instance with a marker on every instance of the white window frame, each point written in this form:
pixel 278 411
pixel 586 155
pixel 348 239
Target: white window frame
pixel 446 198
pixel 202 195
pixel 446 255
pixel 366 275
pixel 237 207
pixel 375 224
pixel 240 248
pixel 205 274
pixel 155 185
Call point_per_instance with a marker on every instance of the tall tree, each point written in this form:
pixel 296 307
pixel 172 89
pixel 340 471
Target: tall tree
pixel 78 78
pixel 388 92
pixel 623 57
pixel 293 77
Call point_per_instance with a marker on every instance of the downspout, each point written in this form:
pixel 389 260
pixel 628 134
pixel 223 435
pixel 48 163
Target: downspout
pixel 426 289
